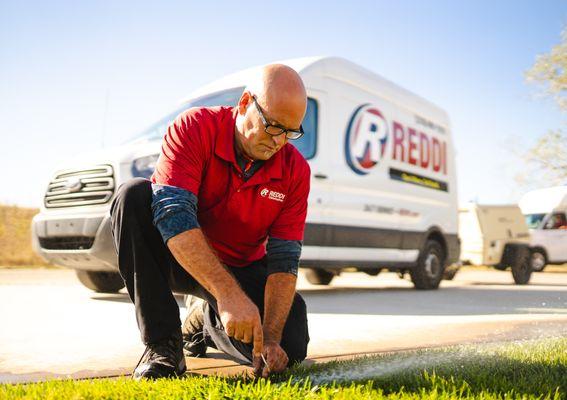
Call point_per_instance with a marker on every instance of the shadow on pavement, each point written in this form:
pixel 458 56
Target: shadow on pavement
pixel 469 300
pixel 443 302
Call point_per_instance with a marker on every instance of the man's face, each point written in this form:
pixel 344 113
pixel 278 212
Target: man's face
pixel 255 142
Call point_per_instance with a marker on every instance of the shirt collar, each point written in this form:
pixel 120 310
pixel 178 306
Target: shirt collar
pixel 224 148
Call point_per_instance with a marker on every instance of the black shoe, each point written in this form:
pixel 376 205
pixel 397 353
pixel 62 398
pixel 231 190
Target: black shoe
pixel 193 340
pixel 162 359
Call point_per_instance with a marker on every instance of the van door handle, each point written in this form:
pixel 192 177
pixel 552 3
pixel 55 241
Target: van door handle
pixel 320 176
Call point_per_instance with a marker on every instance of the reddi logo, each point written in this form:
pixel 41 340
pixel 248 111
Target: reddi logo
pixel 272 195
pixel 366 138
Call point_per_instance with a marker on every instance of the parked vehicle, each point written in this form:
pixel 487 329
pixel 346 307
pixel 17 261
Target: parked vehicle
pixel 383 190
pixel 496 235
pixel 545 212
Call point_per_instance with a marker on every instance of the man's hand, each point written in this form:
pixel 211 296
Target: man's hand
pixel 239 315
pixel 241 320
pixel 275 360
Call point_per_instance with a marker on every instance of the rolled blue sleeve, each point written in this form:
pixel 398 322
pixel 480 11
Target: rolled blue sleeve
pixel 283 255
pixel 174 210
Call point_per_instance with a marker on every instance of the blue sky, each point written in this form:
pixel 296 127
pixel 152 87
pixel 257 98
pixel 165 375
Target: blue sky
pixel 62 64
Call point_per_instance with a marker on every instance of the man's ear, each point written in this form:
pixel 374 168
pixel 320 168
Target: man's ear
pixel 244 102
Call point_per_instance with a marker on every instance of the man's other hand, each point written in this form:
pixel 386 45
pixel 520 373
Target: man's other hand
pixel 241 320
pixel 275 360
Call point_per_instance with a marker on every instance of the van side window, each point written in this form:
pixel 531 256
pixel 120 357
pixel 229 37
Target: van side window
pixel 307 144
pixel 556 221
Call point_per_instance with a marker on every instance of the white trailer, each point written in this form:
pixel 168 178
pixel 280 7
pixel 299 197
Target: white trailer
pixel 495 235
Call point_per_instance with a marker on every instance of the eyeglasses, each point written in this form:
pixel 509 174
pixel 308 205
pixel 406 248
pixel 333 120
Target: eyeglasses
pixel 276 130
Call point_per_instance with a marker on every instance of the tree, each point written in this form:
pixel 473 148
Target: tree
pixel 546 160
pixel 550 71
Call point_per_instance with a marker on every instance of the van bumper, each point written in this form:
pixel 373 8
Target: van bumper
pixel 77 242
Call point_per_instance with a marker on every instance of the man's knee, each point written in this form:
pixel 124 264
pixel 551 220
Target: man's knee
pixel 132 203
pixel 297 336
pixel 131 195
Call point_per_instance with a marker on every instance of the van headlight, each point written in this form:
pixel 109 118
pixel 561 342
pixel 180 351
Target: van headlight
pixel 143 167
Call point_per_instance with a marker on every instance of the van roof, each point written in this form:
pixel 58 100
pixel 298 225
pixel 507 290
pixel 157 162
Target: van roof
pixel 339 69
pixel 544 200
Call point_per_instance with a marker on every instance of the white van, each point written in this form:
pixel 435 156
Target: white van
pixel 383 190
pixel 545 211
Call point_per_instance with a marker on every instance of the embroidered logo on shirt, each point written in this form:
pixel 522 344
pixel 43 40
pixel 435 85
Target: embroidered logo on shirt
pixel 272 195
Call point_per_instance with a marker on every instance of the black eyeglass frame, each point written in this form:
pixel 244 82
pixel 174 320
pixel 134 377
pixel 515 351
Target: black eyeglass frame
pixel 282 129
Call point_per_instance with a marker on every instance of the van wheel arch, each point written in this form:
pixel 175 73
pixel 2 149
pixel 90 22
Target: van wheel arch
pixel 435 234
pixel 101 281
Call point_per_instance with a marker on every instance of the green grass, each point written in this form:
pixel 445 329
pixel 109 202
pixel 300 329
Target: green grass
pixel 519 370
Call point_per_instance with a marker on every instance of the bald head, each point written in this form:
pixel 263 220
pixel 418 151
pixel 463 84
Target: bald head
pixel 280 91
pixel 282 100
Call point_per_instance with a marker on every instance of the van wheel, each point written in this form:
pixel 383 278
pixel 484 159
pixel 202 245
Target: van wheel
pixel 537 260
pixel 520 263
pixel 319 276
pixel 102 282
pixel 428 272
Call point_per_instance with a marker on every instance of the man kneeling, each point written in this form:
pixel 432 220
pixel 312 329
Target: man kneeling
pixel 222 218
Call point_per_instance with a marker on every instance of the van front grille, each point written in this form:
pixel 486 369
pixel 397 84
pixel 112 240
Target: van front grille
pixel 80 187
pixel 66 243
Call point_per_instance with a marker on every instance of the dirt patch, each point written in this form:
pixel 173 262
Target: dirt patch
pixel 15 237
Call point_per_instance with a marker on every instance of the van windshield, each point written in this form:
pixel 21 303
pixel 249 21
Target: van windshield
pixel 307 144
pixel 157 130
pixel 534 220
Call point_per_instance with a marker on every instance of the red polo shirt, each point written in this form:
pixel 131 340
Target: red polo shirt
pixel 197 154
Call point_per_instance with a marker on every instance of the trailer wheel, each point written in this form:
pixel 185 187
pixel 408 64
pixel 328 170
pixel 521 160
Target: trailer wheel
pixel 538 260
pixel 319 276
pixel 519 259
pixel 102 282
pixel 428 272
pixel 450 273
pixel 501 267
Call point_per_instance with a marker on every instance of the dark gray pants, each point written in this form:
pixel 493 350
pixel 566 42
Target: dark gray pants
pixel 151 273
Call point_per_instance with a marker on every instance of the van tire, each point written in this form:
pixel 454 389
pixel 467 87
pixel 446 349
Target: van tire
pixel 319 276
pixel 428 272
pixel 538 260
pixel 101 282
pixel 518 257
